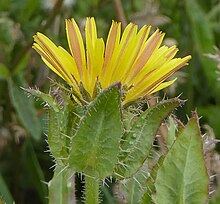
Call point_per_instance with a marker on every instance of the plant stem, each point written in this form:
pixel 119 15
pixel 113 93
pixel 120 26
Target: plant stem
pixel 91 190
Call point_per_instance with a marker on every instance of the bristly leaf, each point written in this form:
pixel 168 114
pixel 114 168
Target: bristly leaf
pixel 171 134
pixel 61 128
pixel 182 178
pixel 61 187
pixel 150 183
pixel 55 139
pixel 45 97
pixel 139 139
pixel 95 146
pixel 133 188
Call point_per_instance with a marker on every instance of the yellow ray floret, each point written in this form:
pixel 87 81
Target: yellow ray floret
pixel 131 57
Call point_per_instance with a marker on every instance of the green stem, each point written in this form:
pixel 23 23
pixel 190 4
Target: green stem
pixel 91 190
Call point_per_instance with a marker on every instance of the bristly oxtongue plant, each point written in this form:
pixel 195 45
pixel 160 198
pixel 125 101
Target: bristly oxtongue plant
pixel 97 129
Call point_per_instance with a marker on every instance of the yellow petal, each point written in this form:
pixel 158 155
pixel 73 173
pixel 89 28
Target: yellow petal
pixel 150 46
pixel 133 52
pixel 75 42
pixel 126 51
pixel 57 59
pixel 162 86
pixel 160 57
pixel 165 71
pixel 110 53
pixel 131 97
pixel 94 53
pixel 152 81
pixel 135 60
pixel 91 29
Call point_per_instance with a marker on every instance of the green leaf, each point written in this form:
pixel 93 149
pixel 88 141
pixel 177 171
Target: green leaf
pixel 45 97
pixel 203 39
pixel 5 194
pixel 107 194
pixel 215 10
pixel 171 135
pixel 146 198
pixel 62 122
pixel 216 198
pixel 139 139
pixel 183 178
pixel 55 139
pixel 208 112
pixel 4 73
pixel 61 126
pixel 24 107
pixel 34 170
pixel 95 146
pixel 61 187
pixel 29 8
pixel 19 68
pixel 133 188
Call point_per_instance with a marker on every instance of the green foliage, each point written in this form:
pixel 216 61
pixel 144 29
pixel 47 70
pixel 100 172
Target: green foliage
pixel 91 190
pixel 150 182
pixel 133 188
pixel 212 114
pixel 183 178
pixel 61 187
pixel 171 135
pixel 203 39
pixel 139 139
pixel 179 176
pixel 33 168
pixel 94 150
pixel 48 99
pixel 193 24
pixel 60 131
pixel 4 191
pixel 4 73
pixel 24 107
pixel 95 146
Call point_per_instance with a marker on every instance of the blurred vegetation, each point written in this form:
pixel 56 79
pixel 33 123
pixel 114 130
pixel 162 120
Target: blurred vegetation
pixel 194 25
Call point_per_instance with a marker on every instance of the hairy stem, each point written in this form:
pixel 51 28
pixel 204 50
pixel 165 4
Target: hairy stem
pixel 91 190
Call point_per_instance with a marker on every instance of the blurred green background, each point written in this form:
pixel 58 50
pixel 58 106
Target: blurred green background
pixel 193 25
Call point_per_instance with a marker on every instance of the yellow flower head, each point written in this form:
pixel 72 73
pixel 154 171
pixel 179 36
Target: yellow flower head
pixel 133 58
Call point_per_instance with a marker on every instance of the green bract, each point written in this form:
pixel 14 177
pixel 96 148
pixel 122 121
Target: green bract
pixel 95 146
